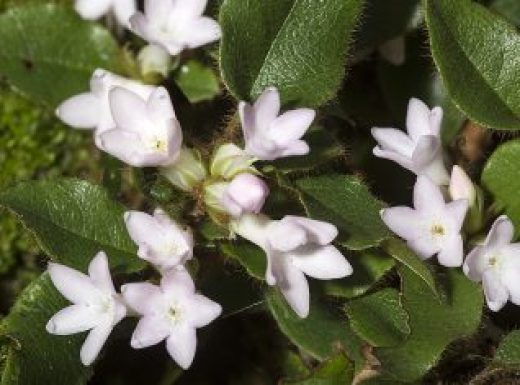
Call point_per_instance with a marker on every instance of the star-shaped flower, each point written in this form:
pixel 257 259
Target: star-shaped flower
pixel 147 132
pixel 96 305
pixel 269 135
pixel 94 9
pixel 433 226
pixel 175 24
pixel 497 264
pixel 91 110
pixel 420 151
pixel 171 311
pixel 295 247
pixel 161 241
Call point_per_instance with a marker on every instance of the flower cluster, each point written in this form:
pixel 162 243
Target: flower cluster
pixel 137 124
pixel 434 226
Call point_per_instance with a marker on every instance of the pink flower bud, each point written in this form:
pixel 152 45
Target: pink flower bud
pixel 461 186
pixel 245 194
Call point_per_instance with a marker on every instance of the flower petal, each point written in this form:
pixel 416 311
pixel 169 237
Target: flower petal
pixel 183 9
pixel 426 150
pixel 159 106
pixel 501 233
pixel 128 110
pixel 202 311
pixel 99 273
pixel 150 331
pixel 403 221
pixel 80 111
pixel 285 235
pixel 323 262
pixel 393 140
pixel 125 146
pixel 291 126
pixel 199 32
pixel 451 254
pixel 177 284
pixel 139 23
pixel 511 280
pixel 72 284
pixel 142 297
pixel 403 161
pixel 495 292
pixel 124 9
pixel 476 263
pixel 94 343
pixel 457 212
pixel 318 232
pixel 427 196
pixel 92 9
pixel 296 148
pixel 418 119
pixel 181 345
pixel 295 289
pixel 436 115
pixel 423 247
pixel 72 319
pixel 267 108
pixel 158 10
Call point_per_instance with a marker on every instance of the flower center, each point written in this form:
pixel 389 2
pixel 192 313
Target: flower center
pixel 493 261
pixel 158 144
pixel 174 314
pixel 437 230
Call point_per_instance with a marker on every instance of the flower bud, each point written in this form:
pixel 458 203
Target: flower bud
pixel 229 160
pixel 461 186
pixel 187 172
pixel 154 63
pixel 245 194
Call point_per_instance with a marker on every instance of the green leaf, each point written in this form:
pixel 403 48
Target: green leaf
pixel 73 220
pixel 298 46
pixel 475 48
pixel 500 178
pixel 398 250
pixel 250 256
pixel 508 352
pixel 369 267
pixel 417 77
pixel 324 148
pixel 319 333
pixel 379 318
pixel 510 9
pixel 433 324
pixel 197 82
pixel 34 356
pixel 48 53
pixel 345 201
pixel 336 371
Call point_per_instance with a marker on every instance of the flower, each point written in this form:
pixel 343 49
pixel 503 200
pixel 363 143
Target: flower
pixel 295 247
pixel 161 241
pixel 245 194
pixel 270 136
pixel 229 160
pixel 420 151
pixel 147 132
pixel 94 9
pixel 95 305
pixel 173 312
pixel 175 24
pixel 187 172
pixel 91 110
pixel 461 186
pixel 154 62
pixel 497 264
pixel 433 227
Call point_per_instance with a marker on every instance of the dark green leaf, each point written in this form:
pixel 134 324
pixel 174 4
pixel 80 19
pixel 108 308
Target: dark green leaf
pixel 197 82
pixel 346 202
pixel 250 256
pixel 477 55
pixel 508 353
pixel 35 357
pixel 73 220
pixel 336 371
pixel 319 332
pixel 379 318
pixel 433 324
pixel 510 9
pixel 500 177
pixel 49 53
pixel 298 46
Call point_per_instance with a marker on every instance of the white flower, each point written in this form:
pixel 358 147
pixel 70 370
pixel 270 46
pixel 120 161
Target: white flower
pixel 147 132
pixel 497 264
pixel 153 59
pixel 91 110
pixel 96 305
pixel 173 312
pixel 420 151
pixel 461 186
pixel 229 160
pixel 161 241
pixel 187 172
pixel 245 194
pixel 433 226
pixel 270 136
pixel 175 24
pixel 94 9
pixel 295 247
